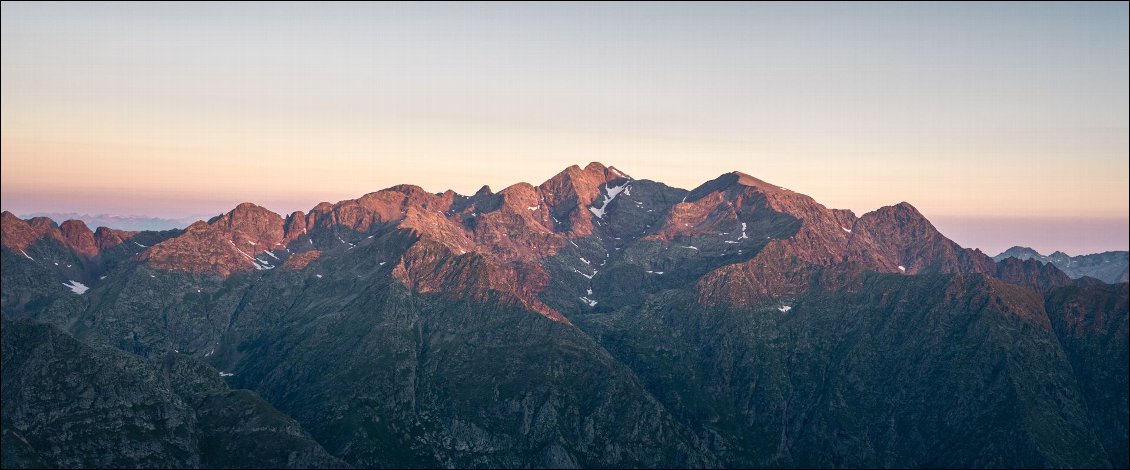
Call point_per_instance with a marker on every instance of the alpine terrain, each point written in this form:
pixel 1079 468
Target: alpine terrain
pixel 1110 266
pixel 592 320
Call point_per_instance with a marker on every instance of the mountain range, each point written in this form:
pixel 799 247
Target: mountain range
pixel 120 222
pixel 593 320
pixel 1110 266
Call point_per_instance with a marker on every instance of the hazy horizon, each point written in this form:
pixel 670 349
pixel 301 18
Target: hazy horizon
pixel 992 235
pixel 998 121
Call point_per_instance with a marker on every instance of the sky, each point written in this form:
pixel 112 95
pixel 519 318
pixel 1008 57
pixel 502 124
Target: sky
pixel 1004 123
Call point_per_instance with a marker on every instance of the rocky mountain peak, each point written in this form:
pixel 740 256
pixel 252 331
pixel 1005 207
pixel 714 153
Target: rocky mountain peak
pixel 224 245
pixel 569 194
pixel 78 237
pixel 1108 267
pixel 250 224
pixel 483 329
pixel 106 237
pixel 743 227
pixel 1031 273
pixel 1020 252
pixel 249 214
pixel 899 238
pixel 18 234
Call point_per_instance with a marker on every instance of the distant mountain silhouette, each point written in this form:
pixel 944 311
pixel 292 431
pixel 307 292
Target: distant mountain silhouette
pixel 119 222
pixel 1109 266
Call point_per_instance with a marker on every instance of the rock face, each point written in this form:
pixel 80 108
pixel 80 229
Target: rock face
pixel 1030 273
pixel 899 235
pixel 593 320
pixel 1091 324
pixel 1110 267
pixel 226 244
pixel 67 404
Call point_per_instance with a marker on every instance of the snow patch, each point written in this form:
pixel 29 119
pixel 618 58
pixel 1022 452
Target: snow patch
pixel 695 248
pixel 655 272
pixel 589 291
pixel 251 242
pixel 585 261
pixel 784 308
pixel 268 253
pixel 848 230
pixel 259 264
pixel 226 374
pixel 588 301
pixel 587 275
pixel 534 208
pixel 138 244
pixel 610 193
pixel 319 276
pixel 26 256
pixel 743 232
pixel 76 287
pixel 902 268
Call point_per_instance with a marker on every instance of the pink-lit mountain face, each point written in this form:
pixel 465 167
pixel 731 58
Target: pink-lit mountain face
pixel 766 241
pixel 735 324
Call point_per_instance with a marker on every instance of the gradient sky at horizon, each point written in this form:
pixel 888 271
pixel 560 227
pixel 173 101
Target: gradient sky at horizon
pixel 999 121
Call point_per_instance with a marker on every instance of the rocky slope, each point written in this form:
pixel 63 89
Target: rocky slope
pixel 66 404
pixel 1091 324
pixel 593 320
